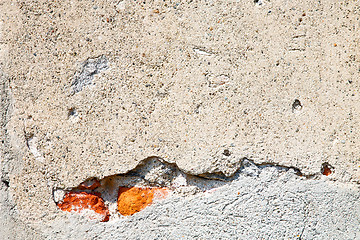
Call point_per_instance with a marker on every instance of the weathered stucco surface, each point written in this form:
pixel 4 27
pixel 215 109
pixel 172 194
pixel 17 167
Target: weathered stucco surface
pixel 91 88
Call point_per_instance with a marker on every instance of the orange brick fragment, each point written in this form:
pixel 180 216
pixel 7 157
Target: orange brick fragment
pixel 326 171
pixel 82 201
pixel 134 199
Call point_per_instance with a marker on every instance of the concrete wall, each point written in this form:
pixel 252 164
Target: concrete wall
pixel 246 113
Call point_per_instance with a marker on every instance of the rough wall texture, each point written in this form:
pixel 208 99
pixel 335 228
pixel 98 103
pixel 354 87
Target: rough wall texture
pixel 91 88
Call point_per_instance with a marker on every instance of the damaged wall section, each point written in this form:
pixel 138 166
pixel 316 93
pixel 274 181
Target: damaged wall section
pixel 257 202
pixel 151 181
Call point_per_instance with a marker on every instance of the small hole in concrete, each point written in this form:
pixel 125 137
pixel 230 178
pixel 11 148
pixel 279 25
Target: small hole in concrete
pixel 72 112
pixel 7 183
pixel 296 105
pixel 326 169
pixel 227 152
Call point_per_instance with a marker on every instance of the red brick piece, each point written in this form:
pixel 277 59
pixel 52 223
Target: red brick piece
pixel 326 170
pixel 134 199
pixel 81 201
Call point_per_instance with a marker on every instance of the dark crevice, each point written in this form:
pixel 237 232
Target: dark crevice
pixel 295 169
pixel 28 138
pixel 146 165
pixel 6 183
pixel 151 175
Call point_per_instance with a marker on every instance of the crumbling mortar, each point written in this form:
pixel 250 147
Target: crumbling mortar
pixel 141 177
pixel 218 175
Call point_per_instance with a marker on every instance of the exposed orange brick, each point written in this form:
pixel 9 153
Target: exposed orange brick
pixel 326 170
pixel 90 184
pixel 80 201
pixel 134 199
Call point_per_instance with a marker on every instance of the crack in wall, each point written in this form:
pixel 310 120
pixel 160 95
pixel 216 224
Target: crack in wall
pixel 260 202
pixel 153 179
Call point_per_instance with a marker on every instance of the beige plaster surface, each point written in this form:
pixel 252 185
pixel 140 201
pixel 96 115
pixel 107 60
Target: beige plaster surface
pixel 202 84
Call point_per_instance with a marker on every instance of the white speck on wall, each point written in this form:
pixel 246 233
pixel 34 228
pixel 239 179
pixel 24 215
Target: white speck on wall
pixel 202 52
pixel 120 5
pixel 32 143
pixel 179 181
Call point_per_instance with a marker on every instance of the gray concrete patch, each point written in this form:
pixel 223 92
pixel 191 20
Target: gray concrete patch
pixel 261 203
pixel 88 70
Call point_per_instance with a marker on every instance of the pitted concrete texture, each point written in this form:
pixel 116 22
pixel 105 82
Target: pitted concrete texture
pixel 91 88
